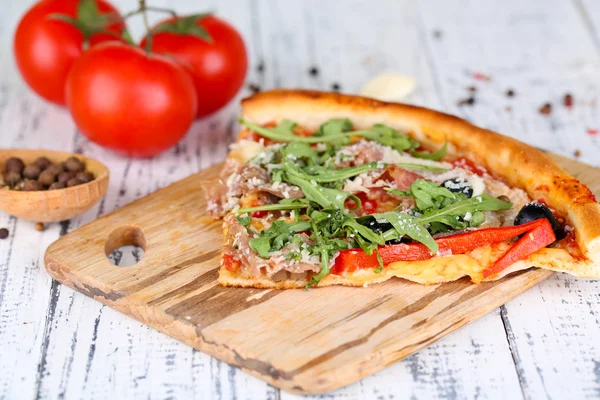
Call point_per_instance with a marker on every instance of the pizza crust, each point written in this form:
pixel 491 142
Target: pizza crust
pixel 519 164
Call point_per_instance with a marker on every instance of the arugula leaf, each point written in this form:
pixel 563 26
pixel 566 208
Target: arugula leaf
pixel 299 150
pixel 323 174
pixel 389 137
pixel 365 237
pixel 284 132
pixel 429 194
pixel 449 214
pixel 276 237
pixel 244 220
pixel 405 224
pixel 325 197
pixel 335 128
pixel 435 156
pixel 421 166
pixel 278 206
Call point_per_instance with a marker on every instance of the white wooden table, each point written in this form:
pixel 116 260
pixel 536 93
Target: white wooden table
pixel 56 343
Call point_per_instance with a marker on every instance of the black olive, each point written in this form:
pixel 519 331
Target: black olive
pixel 532 211
pixel 381 227
pixel 459 185
pixel 376 226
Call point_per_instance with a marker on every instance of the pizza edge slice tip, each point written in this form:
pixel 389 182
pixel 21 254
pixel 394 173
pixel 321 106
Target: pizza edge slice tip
pixel 311 170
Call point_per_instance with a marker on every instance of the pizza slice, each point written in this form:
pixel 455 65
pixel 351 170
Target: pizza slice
pixel 324 189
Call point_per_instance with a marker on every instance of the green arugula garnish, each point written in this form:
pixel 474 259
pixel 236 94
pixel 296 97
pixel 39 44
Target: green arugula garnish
pixel 452 214
pixel 276 237
pixel 435 156
pixel 405 224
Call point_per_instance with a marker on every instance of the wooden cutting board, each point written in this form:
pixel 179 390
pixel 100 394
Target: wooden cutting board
pixel 301 341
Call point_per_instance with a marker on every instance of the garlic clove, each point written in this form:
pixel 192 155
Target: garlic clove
pixel 389 87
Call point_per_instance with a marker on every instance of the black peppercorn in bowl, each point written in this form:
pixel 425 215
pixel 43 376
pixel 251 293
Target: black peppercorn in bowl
pixel 33 186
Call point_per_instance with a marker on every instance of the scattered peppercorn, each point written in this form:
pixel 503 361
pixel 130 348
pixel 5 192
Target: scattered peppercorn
pixel 42 162
pixel 57 185
pixel 568 100
pixel 260 67
pixel 336 87
pixel 66 176
pixel 546 109
pixel 31 171
pixel 40 227
pixel 472 89
pixel 313 71
pixel 437 34
pixel 254 88
pixel 47 177
pixel 74 182
pixel 510 93
pixel 31 185
pixel 14 164
pixel 577 153
pixel 85 177
pixel 4 233
pixel 73 164
pixel 42 174
pixel 12 178
pixel 469 101
pixel 55 169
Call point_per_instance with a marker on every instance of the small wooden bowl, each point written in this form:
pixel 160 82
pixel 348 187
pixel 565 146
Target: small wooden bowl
pixel 53 205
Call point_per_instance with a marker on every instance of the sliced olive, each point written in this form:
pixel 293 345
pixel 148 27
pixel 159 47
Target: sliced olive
pixel 376 226
pixel 380 227
pixel 532 211
pixel 459 185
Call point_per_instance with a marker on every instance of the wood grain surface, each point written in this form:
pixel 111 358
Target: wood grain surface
pixel 301 341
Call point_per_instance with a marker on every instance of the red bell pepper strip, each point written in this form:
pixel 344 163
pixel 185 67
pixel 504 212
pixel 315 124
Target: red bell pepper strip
pixel 352 259
pixel 539 237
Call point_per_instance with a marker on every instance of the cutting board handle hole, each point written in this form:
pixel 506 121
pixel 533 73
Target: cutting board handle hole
pixel 125 246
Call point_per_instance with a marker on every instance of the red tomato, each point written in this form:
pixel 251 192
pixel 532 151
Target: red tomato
pixel 45 48
pixel 218 68
pixel 128 101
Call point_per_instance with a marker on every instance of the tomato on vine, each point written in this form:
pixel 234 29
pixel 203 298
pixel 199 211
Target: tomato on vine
pixel 212 49
pixel 132 102
pixel 54 33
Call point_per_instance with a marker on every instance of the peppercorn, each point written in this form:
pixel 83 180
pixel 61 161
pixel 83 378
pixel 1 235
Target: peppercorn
pixel 39 227
pixel 47 177
pixel 74 182
pixel 31 171
pixel 85 177
pixel 66 176
pixel 31 185
pixel 313 71
pixel 254 88
pixel 468 101
pixel 3 233
pixel 568 100
pixel 42 162
pixel 74 164
pixel 14 164
pixel 12 178
pixel 546 109
pixel 55 169
pixel 57 185
pixel 510 93
pixel 336 87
